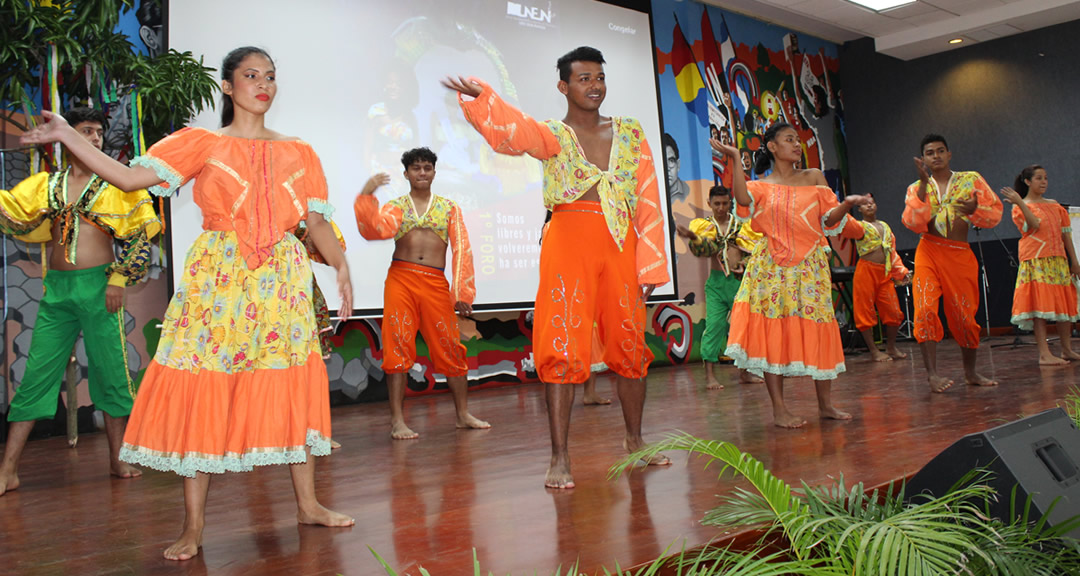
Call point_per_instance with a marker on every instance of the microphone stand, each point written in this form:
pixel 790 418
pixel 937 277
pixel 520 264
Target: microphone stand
pixel 985 281
pixel 907 323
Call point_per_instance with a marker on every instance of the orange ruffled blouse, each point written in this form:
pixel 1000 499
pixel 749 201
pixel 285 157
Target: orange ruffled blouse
pixel 791 217
pixel 1045 241
pixel 259 189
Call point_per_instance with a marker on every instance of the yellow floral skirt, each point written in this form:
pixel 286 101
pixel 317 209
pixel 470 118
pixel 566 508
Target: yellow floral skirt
pixel 1044 289
pixel 783 321
pixel 238 379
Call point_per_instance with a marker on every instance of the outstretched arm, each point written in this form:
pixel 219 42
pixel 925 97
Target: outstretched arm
pixel 507 129
pixel 56 129
pixel 738 179
pixel 837 214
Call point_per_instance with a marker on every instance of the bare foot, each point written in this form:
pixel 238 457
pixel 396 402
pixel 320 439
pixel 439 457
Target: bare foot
pixel 595 400
pixel 1069 354
pixel 186 547
pixel 939 384
pixel 124 470
pixel 789 421
pixel 8 483
pixel 979 380
pixel 657 460
pixel 748 378
pixel 334 444
pixel 1049 359
pixel 470 421
pixel 879 356
pixel 713 384
pixel 834 414
pixel 896 354
pixel 400 431
pixel 559 477
pixel 320 516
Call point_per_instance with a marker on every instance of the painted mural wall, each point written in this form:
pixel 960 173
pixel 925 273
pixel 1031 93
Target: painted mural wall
pixel 728 76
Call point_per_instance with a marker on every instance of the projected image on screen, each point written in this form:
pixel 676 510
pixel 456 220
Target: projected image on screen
pixel 359 80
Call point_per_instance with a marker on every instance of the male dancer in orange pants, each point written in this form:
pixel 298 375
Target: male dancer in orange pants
pixel 877 274
pixel 417 296
pixel 604 251
pixel 941 206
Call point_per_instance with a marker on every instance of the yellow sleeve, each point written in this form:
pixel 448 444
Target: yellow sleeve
pixel 25 211
pixel 126 213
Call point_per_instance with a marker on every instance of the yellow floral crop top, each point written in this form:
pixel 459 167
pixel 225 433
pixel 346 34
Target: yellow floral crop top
pixel 941 206
pixel 28 211
pixel 873 239
pixel 399 216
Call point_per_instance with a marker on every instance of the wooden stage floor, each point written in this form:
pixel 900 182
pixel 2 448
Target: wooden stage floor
pixel 432 501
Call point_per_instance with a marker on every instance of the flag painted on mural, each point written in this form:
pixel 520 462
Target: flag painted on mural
pixel 688 79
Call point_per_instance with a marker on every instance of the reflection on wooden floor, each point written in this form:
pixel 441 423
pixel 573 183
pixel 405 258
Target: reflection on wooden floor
pixel 432 501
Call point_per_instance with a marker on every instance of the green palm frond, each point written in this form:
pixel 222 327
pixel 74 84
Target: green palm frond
pixel 726 562
pixel 1072 404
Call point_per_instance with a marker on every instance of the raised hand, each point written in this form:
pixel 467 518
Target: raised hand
pixel 47 132
pixel 373 183
pixel 1011 196
pixel 685 232
pixel 967 207
pixel 462 85
pixel 857 199
pixel 724 149
pixel 924 175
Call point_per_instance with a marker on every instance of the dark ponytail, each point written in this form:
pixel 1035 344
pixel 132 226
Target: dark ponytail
pixel 763 159
pixel 1020 184
pixel 228 67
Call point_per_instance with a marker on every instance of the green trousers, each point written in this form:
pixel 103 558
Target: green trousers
pixel 720 293
pixel 74 301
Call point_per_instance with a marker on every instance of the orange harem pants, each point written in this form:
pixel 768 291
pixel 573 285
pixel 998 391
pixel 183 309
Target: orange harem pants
pixel 946 268
pixel 585 278
pixel 874 289
pixel 418 297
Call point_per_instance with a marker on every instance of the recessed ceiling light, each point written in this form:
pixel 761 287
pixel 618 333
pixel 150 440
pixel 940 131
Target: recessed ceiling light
pixel 956 40
pixel 881 5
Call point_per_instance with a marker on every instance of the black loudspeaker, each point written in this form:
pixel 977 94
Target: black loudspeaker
pixel 1040 455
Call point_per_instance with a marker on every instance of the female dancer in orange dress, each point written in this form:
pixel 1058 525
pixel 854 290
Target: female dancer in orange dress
pixel 238 379
pixel 782 322
pixel 1044 283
